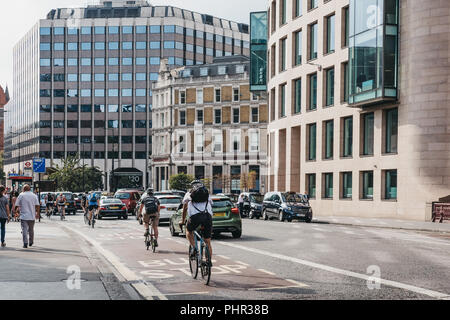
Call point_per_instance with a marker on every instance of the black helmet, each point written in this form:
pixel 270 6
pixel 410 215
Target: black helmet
pixel 150 191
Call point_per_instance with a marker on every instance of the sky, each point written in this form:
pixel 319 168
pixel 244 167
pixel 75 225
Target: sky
pixel 17 17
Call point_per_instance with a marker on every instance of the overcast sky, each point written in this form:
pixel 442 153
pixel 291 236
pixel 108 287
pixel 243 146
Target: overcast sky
pixel 17 17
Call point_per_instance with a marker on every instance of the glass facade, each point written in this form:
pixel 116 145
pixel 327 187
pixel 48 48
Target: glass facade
pixel 373 42
pixel 258 51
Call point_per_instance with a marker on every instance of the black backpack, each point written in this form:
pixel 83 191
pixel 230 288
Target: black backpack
pixel 200 194
pixel 151 205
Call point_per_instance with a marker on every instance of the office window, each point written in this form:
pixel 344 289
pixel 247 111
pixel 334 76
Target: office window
pixel 283 11
pixel 346 81
pixel 113 108
pixel 313 30
pixel 127 92
pixel 282 93
pixel 141 92
pixel 329 101
pixel 329 139
pixel 141 45
pixel 99 92
pixel 58 31
pixel 59 108
pixel 155 45
pixel 85 30
pixel 283 53
pixel 390 184
pixel 45 93
pixel 298 9
pixel 255 115
pixel 348 137
pixel 367 185
pixel 72 46
pixel 99 30
pixel 72 108
pixel 113 46
pixel 391 131
pixel 141 29
pixel 169 44
pixel 58 77
pixel 113 92
pixel 45 63
pixel 127 124
pixel 58 93
pixel 127 139
pixel 141 61
pixel 297 96
pixel 127 61
pixel 58 124
pixel 99 61
pixel 155 29
pixel 236 115
pixel 44 31
pixel 204 72
pixel 311 185
pixel 199 116
pixel 72 62
pixel 127 30
pixel 87 108
pixel 346 27
pixel 99 46
pixel 58 46
pixel 155 61
pixel 86 93
pixel 312 4
pixel 221 70
pixel 99 108
pixel 347 185
pixel 72 77
pixel 312 143
pixel 331 36
pixel 182 120
pixel 217 116
pixel 72 31
pixel 328 185
pixel 141 124
pixel 127 45
pixel 58 139
pixel 141 76
pixel 236 95
pixel 298 38
pixel 313 91
pixel 182 97
pixel 140 108
pixel 169 29
pixel 99 77
pixel 86 46
pixel 368 134
pixel 58 62
pixel 127 108
pixel 218 95
pixel 85 61
pixel 140 139
pixel 127 77
pixel 199 96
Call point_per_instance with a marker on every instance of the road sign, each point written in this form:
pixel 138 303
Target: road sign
pixel 39 165
pixel 28 164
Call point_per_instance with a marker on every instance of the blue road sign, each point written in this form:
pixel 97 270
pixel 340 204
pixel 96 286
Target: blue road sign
pixel 39 165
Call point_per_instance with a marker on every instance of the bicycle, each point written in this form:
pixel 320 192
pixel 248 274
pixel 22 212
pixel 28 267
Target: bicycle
pixel 202 259
pixel 150 240
pixel 60 211
pixel 49 212
pixel 92 221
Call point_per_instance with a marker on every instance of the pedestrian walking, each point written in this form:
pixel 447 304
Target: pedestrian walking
pixel 13 208
pixel 241 204
pixel 28 204
pixel 5 215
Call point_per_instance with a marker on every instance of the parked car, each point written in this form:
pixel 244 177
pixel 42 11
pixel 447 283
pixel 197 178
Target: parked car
pixel 287 206
pixel 169 206
pixel 112 207
pixel 253 205
pixel 70 202
pixel 130 198
pixel 226 218
pixel 77 199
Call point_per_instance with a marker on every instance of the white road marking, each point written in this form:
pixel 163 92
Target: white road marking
pixel 430 293
pixel 296 285
pixel 223 257
pixel 147 290
pixel 268 272
pixel 243 263
pixel 185 294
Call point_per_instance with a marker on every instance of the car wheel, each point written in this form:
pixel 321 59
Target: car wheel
pixel 250 215
pixel 281 216
pixel 125 217
pixel 172 230
pixel 309 219
pixel 265 217
pixel 237 234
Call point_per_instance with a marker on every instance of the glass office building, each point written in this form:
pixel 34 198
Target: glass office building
pixel 83 79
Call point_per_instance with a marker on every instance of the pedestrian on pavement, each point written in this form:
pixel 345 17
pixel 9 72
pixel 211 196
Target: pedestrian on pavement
pixel 28 204
pixel 241 204
pixel 5 215
pixel 14 211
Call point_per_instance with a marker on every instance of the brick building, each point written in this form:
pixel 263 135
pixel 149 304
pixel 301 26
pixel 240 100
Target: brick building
pixel 4 99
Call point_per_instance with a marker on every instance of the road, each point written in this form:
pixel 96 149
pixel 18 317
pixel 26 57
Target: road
pixel 272 260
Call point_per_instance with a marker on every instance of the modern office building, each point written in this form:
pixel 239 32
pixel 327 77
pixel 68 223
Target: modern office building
pixel 82 82
pixel 359 104
pixel 206 123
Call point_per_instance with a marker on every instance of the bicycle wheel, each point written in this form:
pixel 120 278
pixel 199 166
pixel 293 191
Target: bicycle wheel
pixel 153 244
pixel 147 243
pixel 206 264
pixel 193 263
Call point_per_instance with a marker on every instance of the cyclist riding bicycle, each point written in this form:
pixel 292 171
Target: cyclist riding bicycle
pixel 61 202
pixel 151 207
pixel 93 201
pixel 197 204
pixel 50 202
pixel 84 203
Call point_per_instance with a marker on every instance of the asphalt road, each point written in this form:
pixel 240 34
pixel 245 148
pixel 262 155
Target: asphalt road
pixel 272 260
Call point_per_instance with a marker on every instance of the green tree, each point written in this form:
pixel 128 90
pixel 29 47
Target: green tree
pixel 181 182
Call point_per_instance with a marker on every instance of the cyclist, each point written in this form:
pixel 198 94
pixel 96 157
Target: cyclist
pixel 84 203
pixel 152 209
pixel 197 204
pixel 61 202
pixel 93 201
pixel 50 203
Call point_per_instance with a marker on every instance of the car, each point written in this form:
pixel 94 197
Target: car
pixel 226 218
pixel 169 206
pixel 287 206
pixel 77 199
pixel 112 208
pixel 253 205
pixel 130 198
pixel 70 202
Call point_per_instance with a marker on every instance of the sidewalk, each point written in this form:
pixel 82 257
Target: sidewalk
pixel 385 223
pixel 42 272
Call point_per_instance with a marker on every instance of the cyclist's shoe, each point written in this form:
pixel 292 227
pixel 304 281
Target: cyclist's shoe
pixel 147 233
pixel 156 244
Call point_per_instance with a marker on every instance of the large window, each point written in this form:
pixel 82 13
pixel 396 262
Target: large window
pixel 283 11
pixel 311 185
pixel 367 185
pixel 329 139
pixel 297 96
pixel 328 186
pixel 312 145
pixel 298 38
pixel 282 93
pixel 283 53
pixel 331 37
pixel 390 184
pixel 347 185
pixel 391 131
pixel 368 133
pixel 313 91
pixel 297 8
pixel 348 137
pixel 313 41
pixel 329 101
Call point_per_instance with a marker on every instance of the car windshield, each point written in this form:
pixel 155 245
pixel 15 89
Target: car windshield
pixel 111 201
pixel 222 203
pixel 123 196
pixel 294 198
pixel 170 200
pixel 68 196
pixel 257 198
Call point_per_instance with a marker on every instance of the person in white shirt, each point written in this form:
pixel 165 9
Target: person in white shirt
pixel 28 204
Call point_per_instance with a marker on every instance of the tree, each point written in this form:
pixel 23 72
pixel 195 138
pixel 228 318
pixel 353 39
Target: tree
pixel 181 182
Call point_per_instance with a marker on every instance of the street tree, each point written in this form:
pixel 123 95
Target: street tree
pixel 181 181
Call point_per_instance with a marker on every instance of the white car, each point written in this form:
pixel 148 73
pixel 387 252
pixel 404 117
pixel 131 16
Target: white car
pixel 169 206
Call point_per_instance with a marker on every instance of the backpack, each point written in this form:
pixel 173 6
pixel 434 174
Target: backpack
pixel 151 205
pixel 94 197
pixel 50 198
pixel 200 194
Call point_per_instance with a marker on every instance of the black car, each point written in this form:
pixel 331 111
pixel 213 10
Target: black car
pixel 287 206
pixel 70 202
pixel 253 205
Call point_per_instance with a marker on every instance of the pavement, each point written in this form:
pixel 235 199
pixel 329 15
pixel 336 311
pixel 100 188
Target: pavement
pixel 384 223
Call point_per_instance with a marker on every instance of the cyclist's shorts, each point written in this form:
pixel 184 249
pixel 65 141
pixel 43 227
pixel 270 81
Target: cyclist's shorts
pixel 148 217
pixel 49 205
pixel 62 204
pixel 201 219
pixel 93 207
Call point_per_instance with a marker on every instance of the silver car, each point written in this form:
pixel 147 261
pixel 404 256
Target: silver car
pixel 169 206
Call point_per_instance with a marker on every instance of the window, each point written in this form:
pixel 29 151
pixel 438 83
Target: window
pixel 312 4
pixel 348 137
pixel 58 46
pixel 390 184
pixel 141 92
pixel 140 108
pixel 199 141
pixel 236 115
pixel 199 96
pixel 329 139
pixel 311 185
pixel 155 29
pixel 199 117
pixel 86 93
pixel 45 63
pixel 58 93
pixel 58 62
pixel 236 141
pixel 86 30
pixel 217 142
pixel 154 60
pixel 99 77
pixel 86 46
pixel 283 11
pixel 113 108
pixel 391 130
pixel 329 101
pixel 127 61
pixel 113 77
pixel 346 27
pixel 113 46
pixel 113 30
pixel 99 61
pixel 141 76
pixel 72 108
pixel 127 77
pixel 99 30
pixel 313 29
pixel 313 91
pixel 217 116
pixel 312 133
pixel 58 108
pixel 169 29
pixel 72 62
pixel 113 61
pixel 328 186
pixel 72 31
pixel 204 72
pixel 254 141
pixel 44 31
pixel 236 95
pixel 86 108
pixel 141 124
pixel 282 92
pixel 221 70
pixel 72 46
pixel 297 8
pixel 182 143
pixel 141 29
pixel 113 92
pixel 99 46
pixel 283 54
pixel 182 97
pixel 140 139
pixel 367 185
pixel 218 95
pixel 182 120
pixel 169 44
pixel 141 45
pixel 368 134
pixel 240 69
pixel 85 61
pixel 331 37
pixel 346 81
pixel 297 96
pixel 99 108
pixel 127 124
pixel 347 182
pixel 127 30
pixel 58 31
pixel 58 77
pixel 298 38
pixel 99 92
pixel 127 108
pixel 255 115
pixel 127 45
pixel 127 92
